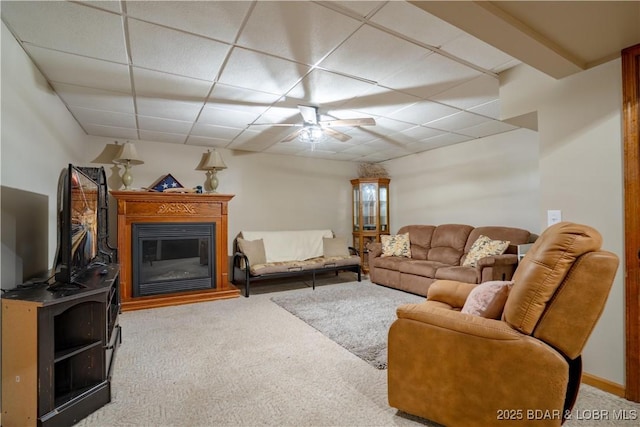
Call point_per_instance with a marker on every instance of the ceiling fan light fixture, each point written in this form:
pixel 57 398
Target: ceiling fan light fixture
pixel 311 134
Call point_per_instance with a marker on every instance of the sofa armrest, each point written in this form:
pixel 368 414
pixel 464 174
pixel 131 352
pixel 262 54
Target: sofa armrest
pixel 504 259
pixel 450 292
pixel 375 249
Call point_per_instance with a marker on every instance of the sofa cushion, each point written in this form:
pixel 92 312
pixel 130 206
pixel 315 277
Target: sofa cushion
pixel 336 246
pixel 448 242
pixel 487 299
pixel 396 245
pixel 253 249
pixel 389 262
pixel 459 273
pixel 420 238
pixel 309 264
pixel 420 267
pixel 483 247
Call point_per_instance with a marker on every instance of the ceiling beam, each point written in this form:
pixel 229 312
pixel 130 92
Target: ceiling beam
pixel 489 23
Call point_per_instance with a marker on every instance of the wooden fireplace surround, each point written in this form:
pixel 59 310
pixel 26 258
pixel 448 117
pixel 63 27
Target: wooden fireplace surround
pixel 149 207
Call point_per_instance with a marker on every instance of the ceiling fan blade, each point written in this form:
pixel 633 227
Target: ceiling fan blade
pixel 309 114
pixel 275 124
pixel 363 121
pixel 292 136
pixel 337 135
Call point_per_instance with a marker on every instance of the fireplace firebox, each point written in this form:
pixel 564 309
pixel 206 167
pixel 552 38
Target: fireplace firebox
pixel 172 257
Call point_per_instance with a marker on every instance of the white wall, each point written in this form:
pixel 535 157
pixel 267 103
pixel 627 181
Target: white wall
pixel 39 138
pixel 487 181
pixel 272 192
pixel 580 131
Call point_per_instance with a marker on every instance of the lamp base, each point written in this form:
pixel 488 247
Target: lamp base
pixel 127 178
pixel 212 182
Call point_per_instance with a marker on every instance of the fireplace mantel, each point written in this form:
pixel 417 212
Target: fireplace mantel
pixel 135 207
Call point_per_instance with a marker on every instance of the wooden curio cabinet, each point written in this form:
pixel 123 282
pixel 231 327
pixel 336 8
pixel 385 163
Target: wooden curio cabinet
pixel 370 213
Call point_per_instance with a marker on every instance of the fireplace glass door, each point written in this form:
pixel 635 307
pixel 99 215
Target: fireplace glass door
pixel 173 257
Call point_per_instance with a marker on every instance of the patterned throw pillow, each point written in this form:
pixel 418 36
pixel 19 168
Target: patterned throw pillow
pixel 484 247
pixel 487 299
pixel 396 245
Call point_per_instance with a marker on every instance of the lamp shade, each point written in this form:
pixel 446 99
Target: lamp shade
pixel 128 155
pixel 211 160
pixel 109 153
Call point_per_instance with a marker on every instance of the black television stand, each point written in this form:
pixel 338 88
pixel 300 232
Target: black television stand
pixel 58 349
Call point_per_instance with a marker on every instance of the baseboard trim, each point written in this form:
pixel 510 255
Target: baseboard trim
pixel 604 385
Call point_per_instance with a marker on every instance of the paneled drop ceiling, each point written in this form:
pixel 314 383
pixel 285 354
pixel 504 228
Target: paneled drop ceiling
pixel 203 73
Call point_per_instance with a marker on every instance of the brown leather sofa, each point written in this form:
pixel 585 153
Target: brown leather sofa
pixel 459 369
pixel 438 252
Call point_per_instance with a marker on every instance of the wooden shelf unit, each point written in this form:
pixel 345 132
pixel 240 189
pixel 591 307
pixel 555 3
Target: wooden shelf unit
pixel 58 349
pixel 136 207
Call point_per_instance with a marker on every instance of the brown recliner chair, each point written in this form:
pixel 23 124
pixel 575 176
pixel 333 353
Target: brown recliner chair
pixel 458 369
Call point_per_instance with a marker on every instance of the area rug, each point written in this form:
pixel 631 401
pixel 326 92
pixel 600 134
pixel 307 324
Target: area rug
pixel 356 315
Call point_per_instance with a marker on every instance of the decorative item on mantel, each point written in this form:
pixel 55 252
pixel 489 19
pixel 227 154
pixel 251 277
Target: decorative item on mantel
pixel 165 184
pixel 211 162
pixel 128 156
pixel 372 170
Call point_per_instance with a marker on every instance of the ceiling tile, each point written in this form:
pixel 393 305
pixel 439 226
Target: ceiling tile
pixel 373 54
pixel 164 125
pixel 458 121
pixel 477 52
pixel 110 5
pixel 172 138
pixel 211 115
pixel 99 99
pixel 261 72
pixel 111 131
pixel 491 127
pixel 207 142
pixel 219 20
pixel 80 70
pixel 379 101
pixel 172 51
pixel 297 30
pixel 414 22
pixel 469 94
pixel 241 99
pixel 69 27
pixel 323 88
pixel 361 8
pixel 444 73
pixel 423 112
pixel 87 116
pixel 175 110
pixel 212 131
pixel 490 109
pixel 438 141
pixel 155 84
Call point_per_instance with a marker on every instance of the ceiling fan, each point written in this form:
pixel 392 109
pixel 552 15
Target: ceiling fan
pixel 312 129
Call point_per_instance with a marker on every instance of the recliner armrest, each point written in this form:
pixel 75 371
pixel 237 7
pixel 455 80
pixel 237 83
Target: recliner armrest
pixel 450 292
pixel 504 259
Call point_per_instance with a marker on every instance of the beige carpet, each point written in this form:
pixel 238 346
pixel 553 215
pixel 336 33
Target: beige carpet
pixel 248 362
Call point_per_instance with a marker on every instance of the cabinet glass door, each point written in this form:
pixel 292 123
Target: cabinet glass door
pixel 370 206
pixel 384 209
pixel 356 208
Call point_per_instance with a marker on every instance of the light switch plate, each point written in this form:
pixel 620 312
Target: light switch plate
pixel 553 217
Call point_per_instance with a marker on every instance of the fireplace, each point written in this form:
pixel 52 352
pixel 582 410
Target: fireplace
pixel 172 257
pixel 172 248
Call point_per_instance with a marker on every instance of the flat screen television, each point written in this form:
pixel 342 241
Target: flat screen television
pixel 78 218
